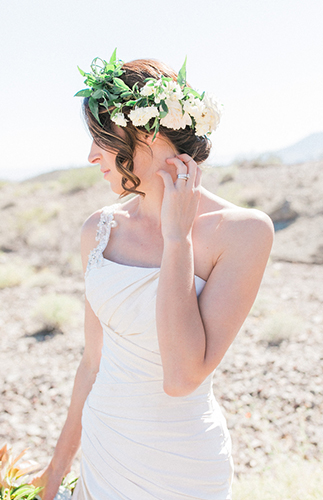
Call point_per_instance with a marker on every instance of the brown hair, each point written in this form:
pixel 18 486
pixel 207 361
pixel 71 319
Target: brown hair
pixel 184 140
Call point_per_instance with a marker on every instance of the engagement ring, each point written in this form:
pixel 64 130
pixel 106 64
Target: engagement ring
pixel 183 176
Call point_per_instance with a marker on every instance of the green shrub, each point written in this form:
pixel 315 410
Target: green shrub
pixel 56 310
pixel 79 178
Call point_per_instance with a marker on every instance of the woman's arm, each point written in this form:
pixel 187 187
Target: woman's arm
pixel 194 335
pixel 69 440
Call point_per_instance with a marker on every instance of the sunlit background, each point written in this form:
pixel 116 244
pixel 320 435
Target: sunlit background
pixel 262 59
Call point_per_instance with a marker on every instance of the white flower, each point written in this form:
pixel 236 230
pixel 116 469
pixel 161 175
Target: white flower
pixel 173 90
pixel 194 107
pixel 160 97
pixel 209 118
pixel 147 90
pixel 63 494
pixel 119 119
pixel 141 116
pixel 175 118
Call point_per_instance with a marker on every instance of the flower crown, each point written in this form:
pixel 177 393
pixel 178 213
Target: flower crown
pixel 171 104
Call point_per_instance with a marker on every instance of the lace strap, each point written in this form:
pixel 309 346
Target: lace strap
pixel 105 224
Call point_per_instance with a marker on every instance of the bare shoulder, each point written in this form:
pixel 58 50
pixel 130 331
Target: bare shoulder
pixel 233 229
pixel 247 224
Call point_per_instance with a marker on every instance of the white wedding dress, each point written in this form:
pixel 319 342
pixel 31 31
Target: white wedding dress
pixel 138 443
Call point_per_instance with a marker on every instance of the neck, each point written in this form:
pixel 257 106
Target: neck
pixel 146 167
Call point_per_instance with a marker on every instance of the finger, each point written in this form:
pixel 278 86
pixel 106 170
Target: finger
pixel 191 169
pixel 167 179
pixel 185 157
pixel 179 165
pixel 198 176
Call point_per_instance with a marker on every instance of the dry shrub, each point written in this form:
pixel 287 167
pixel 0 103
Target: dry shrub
pixel 13 274
pixel 56 311
pixel 42 279
pixel 280 326
pixel 79 178
pixel 286 479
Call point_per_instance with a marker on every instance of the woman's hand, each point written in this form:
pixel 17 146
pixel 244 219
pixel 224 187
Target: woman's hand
pixel 50 481
pixel 181 198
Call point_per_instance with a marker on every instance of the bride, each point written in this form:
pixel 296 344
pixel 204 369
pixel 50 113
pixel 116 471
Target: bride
pixel 170 276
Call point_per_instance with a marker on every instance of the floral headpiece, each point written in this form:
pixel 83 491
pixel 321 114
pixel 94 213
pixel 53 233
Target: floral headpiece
pixel 172 104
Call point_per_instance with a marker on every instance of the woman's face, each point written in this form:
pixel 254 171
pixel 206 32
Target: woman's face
pixel 107 162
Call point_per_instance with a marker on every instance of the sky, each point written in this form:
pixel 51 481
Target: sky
pixel 261 58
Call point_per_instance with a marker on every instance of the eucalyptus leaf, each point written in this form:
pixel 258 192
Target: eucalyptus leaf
pixel 83 93
pixel 156 130
pixel 94 107
pixel 131 103
pixel 164 106
pixel 188 90
pixel 125 94
pixel 98 94
pixel 113 58
pixel 122 84
pixel 109 68
pixel 81 71
pixel 181 78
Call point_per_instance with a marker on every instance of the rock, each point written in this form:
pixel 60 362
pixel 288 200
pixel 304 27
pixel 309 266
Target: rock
pixel 283 212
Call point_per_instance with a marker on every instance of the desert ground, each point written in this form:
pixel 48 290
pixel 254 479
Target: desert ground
pixel 269 384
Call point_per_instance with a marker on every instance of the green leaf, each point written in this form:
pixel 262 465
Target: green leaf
pixel 83 93
pixel 81 71
pixel 94 107
pixel 25 489
pixel 122 84
pixel 164 106
pixel 181 79
pixel 125 94
pixel 130 104
pixel 113 58
pixel 31 497
pixel 109 68
pixel 188 90
pixel 147 127
pixel 156 128
pixel 98 94
pixel 163 114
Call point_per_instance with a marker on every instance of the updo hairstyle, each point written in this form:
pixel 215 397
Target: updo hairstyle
pixel 183 140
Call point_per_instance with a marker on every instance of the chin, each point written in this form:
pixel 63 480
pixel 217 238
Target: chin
pixel 117 189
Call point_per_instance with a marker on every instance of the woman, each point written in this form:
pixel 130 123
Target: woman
pixel 171 275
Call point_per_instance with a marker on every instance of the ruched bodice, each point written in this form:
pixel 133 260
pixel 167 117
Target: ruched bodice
pixel 138 443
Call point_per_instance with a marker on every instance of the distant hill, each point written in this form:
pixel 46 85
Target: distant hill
pixel 308 149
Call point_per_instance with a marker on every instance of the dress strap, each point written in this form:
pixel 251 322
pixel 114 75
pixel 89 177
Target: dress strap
pixel 105 224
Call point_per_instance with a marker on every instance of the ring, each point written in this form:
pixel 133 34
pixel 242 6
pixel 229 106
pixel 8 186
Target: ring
pixel 183 176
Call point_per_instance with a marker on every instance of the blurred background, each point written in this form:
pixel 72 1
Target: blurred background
pixel 263 60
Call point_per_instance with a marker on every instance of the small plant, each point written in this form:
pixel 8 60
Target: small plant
pixel 281 326
pixel 11 487
pixel 14 274
pixel 42 279
pixel 56 310
pixel 78 179
pixel 285 479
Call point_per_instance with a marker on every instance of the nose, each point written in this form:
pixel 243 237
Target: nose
pixel 95 154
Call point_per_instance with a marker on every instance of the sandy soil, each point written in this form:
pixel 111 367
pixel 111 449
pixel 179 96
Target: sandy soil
pixel 270 381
